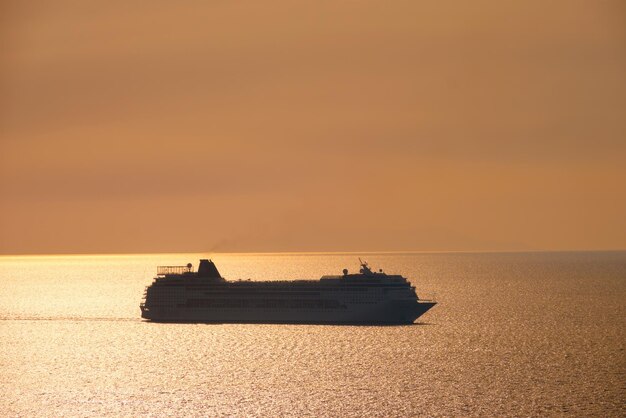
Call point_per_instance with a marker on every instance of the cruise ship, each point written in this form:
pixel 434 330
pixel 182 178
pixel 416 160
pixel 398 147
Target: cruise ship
pixel 180 294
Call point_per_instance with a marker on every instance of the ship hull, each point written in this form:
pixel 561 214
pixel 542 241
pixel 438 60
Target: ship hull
pixel 391 313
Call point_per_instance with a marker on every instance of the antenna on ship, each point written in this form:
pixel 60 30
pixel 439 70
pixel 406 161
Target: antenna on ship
pixel 364 267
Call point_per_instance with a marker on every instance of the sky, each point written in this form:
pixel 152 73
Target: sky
pixel 241 126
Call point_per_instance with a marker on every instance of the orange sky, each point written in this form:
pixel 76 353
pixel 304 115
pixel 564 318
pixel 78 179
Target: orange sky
pixel 131 126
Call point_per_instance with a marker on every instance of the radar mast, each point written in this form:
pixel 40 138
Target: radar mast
pixel 365 268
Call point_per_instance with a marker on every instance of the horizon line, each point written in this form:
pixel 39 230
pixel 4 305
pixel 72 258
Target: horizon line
pixel 489 251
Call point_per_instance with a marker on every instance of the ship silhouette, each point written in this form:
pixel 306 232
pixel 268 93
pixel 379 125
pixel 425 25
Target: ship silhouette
pixel 180 294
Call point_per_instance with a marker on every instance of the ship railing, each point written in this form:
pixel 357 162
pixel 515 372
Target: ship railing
pixel 430 297
pixel 165 270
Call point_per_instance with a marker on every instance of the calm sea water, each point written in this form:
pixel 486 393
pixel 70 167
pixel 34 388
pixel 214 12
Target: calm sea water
pixel 514 334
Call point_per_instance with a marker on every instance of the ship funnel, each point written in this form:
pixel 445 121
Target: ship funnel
pixel 207 269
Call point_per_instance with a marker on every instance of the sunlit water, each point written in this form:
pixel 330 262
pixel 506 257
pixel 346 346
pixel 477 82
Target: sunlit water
pixel 513 334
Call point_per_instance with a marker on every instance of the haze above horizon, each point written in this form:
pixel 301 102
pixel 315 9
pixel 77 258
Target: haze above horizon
pixel 340 126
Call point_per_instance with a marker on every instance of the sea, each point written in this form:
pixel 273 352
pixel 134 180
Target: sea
pixel 513 334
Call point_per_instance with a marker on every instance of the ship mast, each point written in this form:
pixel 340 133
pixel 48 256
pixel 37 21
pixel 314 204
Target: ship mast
pixel 365 268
